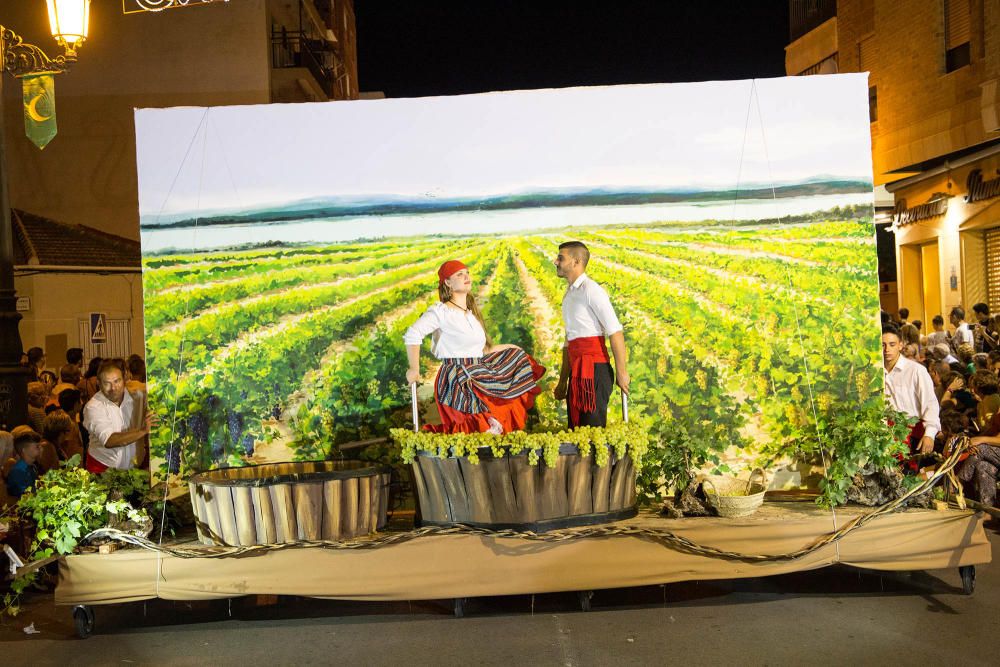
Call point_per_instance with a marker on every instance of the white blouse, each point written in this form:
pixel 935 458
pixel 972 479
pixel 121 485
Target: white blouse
pixel 456 334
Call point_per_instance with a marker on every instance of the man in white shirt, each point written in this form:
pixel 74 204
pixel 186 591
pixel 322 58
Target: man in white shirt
pixel 963 334
pixel 586 377
pixel 910 390
pixel 108 417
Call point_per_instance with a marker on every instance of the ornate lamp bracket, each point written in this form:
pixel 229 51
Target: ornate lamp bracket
pixel 22 59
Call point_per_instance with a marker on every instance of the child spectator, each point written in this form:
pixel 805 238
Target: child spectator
pixel 24 473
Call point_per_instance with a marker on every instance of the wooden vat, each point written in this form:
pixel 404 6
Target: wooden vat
pixel 508 492
pixel 288 502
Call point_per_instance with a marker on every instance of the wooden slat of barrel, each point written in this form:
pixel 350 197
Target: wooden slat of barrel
pixel 349 510
pixel 501 490
pixel 630 473
pixel 308 498
pixel 364 505
pixel 227 514
pixel 385 479
pixel 451 475
pixel 199 513
pixel 243 504
pixel 267 532
pixel 601 486
pixel 552 492
pixel 578 484
pixel 420 485
pixel 284 513
pixel 526 479
pixel 331 509
pixel 375 491
pixel 477 491
pixel 209 500
pixel 436 508
pixel 619 483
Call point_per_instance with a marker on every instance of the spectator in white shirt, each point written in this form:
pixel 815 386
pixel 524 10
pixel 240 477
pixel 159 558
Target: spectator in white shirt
pixel 910 390
pixel 586 378
pixel 963 334
pixel 480 387
pixel 110 418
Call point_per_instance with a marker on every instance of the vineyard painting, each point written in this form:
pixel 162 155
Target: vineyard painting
pixel 287 247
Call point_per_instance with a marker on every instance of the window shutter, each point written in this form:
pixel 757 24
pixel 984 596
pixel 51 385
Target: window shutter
pixel 866 54
pixel 993 265
pixel 957 22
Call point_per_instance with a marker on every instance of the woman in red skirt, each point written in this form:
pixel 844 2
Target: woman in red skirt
pixel 480 386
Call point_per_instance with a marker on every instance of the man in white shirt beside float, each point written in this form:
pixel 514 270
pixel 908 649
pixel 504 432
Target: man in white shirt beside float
pixel 910 390
pixel 108 417
pixel 586 378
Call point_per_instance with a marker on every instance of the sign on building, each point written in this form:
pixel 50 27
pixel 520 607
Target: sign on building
pixel 98 327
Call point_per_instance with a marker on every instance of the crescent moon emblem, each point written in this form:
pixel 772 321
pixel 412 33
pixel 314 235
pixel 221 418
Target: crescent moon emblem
pixel 33 112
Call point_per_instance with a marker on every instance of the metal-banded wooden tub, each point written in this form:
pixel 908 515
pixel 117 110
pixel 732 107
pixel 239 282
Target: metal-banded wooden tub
pixel 288 502
pixel 508 492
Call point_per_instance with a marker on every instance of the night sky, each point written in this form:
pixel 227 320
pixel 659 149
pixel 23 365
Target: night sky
pixel 448 47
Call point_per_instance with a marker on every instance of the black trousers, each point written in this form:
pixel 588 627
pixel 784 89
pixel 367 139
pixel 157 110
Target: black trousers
pixel 604 383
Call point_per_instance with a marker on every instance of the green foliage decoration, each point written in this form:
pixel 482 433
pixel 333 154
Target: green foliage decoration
pixel 870 437
pixel 66 504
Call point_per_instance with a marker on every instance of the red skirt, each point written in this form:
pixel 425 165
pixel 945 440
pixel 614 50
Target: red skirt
pixel 492 399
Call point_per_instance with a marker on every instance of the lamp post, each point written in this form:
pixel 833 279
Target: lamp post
pixel 68 20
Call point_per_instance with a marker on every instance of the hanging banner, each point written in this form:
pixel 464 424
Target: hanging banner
pixel 39 108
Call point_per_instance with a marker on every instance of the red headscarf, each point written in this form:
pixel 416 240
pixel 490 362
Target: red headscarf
pixel 450 268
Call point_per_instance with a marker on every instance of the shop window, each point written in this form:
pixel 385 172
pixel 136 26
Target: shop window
pixel 958 52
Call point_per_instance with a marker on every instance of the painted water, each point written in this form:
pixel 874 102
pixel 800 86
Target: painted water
pixel 341 229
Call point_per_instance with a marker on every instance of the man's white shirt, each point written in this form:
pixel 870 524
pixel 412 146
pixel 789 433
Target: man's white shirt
pixel 964 334
pixel 103 418
pixel 911 391
pixel 587 310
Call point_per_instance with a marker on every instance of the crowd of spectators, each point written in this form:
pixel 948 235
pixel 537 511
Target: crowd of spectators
pixel 964 369
pixel 96 415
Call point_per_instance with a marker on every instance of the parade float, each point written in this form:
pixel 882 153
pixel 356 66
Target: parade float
pixel 277 291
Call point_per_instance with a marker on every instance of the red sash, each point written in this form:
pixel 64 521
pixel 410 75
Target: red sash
pixel 94 466
pixel 583 354
pixel 911 462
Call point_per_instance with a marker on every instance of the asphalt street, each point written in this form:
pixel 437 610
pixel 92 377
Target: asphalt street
pixel 836 615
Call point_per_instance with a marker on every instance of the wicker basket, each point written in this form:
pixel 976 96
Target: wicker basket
pixel 733 497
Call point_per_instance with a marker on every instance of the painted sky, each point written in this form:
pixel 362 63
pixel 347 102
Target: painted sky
pixel 662 136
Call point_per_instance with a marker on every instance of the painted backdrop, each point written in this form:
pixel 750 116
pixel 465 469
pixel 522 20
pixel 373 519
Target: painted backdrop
pixel 287 247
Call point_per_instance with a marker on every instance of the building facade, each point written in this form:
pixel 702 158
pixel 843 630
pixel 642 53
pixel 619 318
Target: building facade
pixel 245 52
pixel 934 99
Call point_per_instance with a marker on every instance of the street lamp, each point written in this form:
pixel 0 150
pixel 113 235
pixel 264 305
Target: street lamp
pixel 68 20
